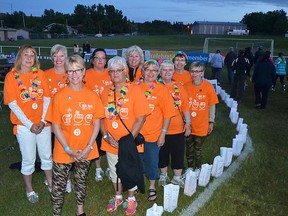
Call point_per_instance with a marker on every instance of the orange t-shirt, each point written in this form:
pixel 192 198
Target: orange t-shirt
pixel 96 81
pixel 31 106
pixel 138 73
pixel 161 105
pixel 75 111
pixel 55 81
pixel 177 124
pixel 133 105
pixel 183 78
pixel 200 98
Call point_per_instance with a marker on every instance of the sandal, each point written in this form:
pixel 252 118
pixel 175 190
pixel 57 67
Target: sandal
pixel 152 193
pixel 32 197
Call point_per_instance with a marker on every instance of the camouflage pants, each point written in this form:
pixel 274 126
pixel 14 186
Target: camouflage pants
pixel 194 151
pixel 60 176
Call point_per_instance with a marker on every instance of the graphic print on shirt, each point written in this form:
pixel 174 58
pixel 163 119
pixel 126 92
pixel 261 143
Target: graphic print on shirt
pixel 33 94
pixel 197 104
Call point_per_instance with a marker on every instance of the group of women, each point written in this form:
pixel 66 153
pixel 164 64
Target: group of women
pixel 98 111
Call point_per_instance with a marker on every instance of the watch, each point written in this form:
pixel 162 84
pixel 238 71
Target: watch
pixel 105 136
pixel 90 146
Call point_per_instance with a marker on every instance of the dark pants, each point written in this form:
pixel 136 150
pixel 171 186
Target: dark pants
pixel 230 74
pixel 238 85
pixel 281 80
pixel 59 180
pixel 261 95
pixel 194 151
pixel 216 74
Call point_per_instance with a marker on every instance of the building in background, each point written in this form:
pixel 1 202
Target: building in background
pixel 8 34
pixel 218 28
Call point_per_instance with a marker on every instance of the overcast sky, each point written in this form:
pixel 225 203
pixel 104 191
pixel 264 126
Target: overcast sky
pixel 186 11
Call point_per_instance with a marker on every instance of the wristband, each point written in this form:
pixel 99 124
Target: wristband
pixel 67 148
pixel 187 120
pixel 164 130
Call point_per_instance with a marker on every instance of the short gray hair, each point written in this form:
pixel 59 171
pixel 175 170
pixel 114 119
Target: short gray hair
pixel 56 48
pixel 166 63
pixel 135 49
pixel 197 65
pixel 116 60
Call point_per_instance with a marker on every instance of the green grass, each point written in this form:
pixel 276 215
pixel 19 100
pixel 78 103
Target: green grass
pixel 258 188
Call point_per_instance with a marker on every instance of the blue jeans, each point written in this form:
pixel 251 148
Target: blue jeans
pixel 151 159
pixel 216 74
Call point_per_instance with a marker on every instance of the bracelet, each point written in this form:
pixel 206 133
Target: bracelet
pixel 90 146
pixel 187 120
pixel 67 148
pixel 105 136
pixel 164 130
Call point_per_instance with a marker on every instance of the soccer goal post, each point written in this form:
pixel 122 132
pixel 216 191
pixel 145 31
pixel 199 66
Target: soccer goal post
pixel 223 44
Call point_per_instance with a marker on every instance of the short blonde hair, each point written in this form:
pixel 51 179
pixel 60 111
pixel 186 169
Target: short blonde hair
pixel 74 59
pixel 18 60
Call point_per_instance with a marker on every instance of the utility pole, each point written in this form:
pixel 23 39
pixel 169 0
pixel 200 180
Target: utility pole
pixel 23 20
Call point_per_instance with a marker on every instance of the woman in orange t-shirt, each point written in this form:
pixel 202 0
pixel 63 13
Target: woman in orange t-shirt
pixel 134 58
pixel 126 101
pixel 75 113
pixel 96 79
pixel 56 76
pixel 202 98
pixel 181 75
pixel 27 95
pixel 178 129
pixel 156 124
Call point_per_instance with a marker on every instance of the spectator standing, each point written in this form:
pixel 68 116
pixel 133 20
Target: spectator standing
pixel 263 78
pixel 240 67
pixel 57 79
pixel 156 125
pixel 229 58
pixel 126 101
pixel 75 49
pixel 75 113
pixel 202 99
pixel 181 75
pixel 178 129
pixel 27 95
pixel 258 53
pixel 217 63
pixel 280 65
pixel 249 55
pixel 96 79
pixel 134 58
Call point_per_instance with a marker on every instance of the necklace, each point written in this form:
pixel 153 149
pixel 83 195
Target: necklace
pixel 150 90
pixel 176 96
pixel 114 109
pixel 23 88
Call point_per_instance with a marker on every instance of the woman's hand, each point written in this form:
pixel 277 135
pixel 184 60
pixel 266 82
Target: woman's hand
pixel 210 127
pixel 187 129
pixel 161 139
pixel 37 129
pixel 74 154
pixel 112 142
pixel 85 153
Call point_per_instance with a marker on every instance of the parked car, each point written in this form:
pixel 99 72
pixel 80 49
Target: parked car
pixel 98 35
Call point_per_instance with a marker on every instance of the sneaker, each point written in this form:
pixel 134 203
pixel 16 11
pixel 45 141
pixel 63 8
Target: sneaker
pixel 164 179
pixel 32 197
pixel 68 186
pixel 113 204
pixel 45 182
pixel 99 174
pixel 130 206
pixel 178 181
pixel 107 173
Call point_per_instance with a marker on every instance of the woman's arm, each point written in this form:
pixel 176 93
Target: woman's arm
pixel 187 126
pixel 165 125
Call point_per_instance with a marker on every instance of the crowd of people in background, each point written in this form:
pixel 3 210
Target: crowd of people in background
pixel 72 116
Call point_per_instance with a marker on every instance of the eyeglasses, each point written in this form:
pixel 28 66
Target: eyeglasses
pixel 76 71
pixel 116 71
pixel 196 71
pixel 99 58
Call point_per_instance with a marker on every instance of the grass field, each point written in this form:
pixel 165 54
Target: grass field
pixel 258 188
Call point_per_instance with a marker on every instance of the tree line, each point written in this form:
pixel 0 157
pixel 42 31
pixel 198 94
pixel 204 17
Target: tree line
pixel 106 19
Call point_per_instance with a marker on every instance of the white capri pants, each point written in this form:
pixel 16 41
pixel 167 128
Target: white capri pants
pixel 28 142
